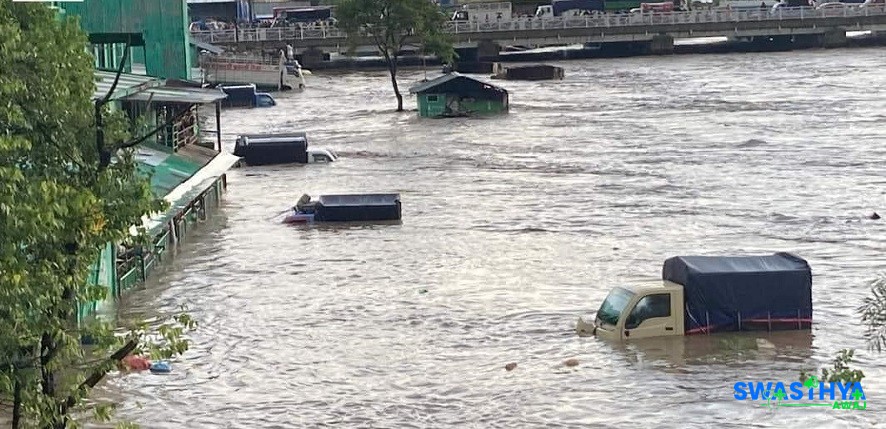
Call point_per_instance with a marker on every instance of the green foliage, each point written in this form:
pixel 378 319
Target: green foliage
pixel 873 314
pixel 840 372
pixel 392 25
pixel 58 208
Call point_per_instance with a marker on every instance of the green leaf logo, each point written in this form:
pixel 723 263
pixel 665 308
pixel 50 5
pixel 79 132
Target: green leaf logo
pixel 811 382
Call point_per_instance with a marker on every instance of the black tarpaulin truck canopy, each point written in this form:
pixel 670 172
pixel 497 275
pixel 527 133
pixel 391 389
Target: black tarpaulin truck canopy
pixel 267 149
pixel 362 207
pixel 735 293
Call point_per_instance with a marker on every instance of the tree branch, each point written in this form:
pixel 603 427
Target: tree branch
pixel 134 142
pixel 99 373
pixel 120 67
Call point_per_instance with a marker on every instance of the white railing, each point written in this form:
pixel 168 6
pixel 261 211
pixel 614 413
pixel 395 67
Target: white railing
pixel 240 59
pixel 607 20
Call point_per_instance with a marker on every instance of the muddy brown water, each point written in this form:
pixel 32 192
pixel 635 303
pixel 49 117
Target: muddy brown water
pixel 512 227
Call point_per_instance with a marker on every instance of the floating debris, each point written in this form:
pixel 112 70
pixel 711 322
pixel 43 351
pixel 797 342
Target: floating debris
pixel 161 368
pixel 875 216
pixel 511 366
pixel 571 362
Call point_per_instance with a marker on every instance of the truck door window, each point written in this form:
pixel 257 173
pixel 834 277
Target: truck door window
pixel 657 305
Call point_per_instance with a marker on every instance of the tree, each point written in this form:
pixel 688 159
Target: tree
pixel 873 314
pixel 60 203
pixel 391 25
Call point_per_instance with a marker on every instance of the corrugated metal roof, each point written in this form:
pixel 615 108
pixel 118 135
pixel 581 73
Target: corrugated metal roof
pixel 207 47
pixel 181 193
pixel 424 86
pixel 179 95
pixel 127 85
pixel 166 169
pixel 462 84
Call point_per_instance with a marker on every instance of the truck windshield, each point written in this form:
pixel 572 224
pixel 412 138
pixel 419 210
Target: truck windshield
pixel 614 304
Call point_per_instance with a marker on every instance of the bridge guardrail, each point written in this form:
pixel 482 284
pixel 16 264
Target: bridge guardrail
pixel 608 20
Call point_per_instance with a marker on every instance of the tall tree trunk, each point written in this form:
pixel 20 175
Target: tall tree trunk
pixel 392 67
pixel 16 401
pixel 47 349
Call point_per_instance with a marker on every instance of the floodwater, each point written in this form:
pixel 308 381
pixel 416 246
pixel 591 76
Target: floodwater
pixel 513 227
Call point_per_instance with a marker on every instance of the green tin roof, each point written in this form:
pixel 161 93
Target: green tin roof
pixel 166 169
pixel 181 177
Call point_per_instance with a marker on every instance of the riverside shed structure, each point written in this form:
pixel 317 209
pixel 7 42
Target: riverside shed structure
pixel 452 95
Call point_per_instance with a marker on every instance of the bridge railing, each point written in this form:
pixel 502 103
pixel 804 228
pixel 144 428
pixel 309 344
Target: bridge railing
pixel 606 20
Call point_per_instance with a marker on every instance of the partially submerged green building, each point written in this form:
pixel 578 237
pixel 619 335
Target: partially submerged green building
pixel 185 162
pixel 452 95
pixel 186 170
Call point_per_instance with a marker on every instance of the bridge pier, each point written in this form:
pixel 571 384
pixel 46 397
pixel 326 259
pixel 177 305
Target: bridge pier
pixel 661 44
pixel 833 38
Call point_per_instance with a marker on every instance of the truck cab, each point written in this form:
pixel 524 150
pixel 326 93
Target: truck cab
pixel 544 11
pixel 644 310
pixel 321 155
pixel 710 294
pixel 263 99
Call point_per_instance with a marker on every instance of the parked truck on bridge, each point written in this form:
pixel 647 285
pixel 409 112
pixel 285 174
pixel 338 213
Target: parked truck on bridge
pixel 570 8
pixel 709 294
pixel 484 13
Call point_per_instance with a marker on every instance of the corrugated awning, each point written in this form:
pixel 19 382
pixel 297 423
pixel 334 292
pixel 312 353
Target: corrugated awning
pixel 185 190
pixel 128 84
pixel 207 47
pixel 168 94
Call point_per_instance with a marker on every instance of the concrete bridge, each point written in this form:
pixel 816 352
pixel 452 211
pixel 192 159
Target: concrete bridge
pixel 655 31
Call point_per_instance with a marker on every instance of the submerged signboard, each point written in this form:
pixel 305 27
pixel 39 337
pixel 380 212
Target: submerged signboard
pixel 810 393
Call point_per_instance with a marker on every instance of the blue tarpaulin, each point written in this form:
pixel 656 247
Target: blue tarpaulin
pixel 738 293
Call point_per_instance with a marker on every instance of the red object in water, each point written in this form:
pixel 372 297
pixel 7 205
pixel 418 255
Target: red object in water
pixel 137 363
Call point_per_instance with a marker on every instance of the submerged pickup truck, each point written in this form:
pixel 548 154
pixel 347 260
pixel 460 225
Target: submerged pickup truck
pixel 709 294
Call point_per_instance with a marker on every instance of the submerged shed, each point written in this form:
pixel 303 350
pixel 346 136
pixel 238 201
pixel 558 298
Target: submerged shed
pixel 453 94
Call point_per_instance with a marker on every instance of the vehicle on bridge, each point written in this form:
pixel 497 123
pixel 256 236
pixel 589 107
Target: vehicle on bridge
pixel 570 8
pixel 302 14
pixel 792 7
pixel 742 5
pixel 484 13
